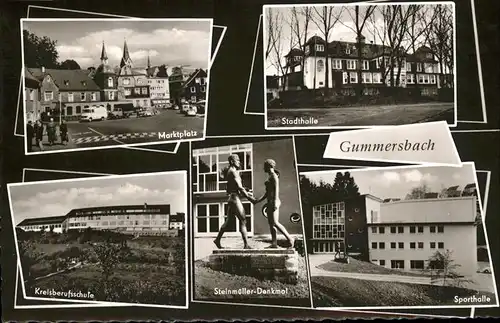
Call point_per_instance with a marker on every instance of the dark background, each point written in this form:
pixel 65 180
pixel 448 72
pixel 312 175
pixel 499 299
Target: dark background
pixel 230 75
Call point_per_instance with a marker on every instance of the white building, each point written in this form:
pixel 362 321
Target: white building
pixel 50 223
pixel 159 90
pixel 404 234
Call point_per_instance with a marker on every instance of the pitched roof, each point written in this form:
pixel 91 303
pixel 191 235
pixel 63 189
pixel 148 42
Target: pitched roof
pixel 471 185
pixel 30 80
pixel 126 55
pixel 103 52
pixel 197 73
pixel 42 220
pixel 67 80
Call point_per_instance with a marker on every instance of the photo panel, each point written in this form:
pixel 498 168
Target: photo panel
pixel 358 64
pixel 247 231
pixel 415 229
pixel 118 242
pixel 124 91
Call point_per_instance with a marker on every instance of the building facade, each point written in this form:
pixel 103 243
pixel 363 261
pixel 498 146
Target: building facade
pixel 401 234
pixel 195 87
pixel 373 66
pixel 32 96
pixel 128 219
pixel 209 186
pixel 177 79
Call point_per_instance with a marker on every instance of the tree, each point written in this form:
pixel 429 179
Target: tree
pixel 443 270
pixel 299 24
pixel 325 19
pixel 162 71
pixel 70 64
pixel 109 255
pixel 29 256
pixel 360 18
pixel 418 192
pixel 39 51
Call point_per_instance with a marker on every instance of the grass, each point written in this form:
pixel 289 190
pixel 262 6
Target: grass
pixel 351 292
pixel 207 280
pixel 364 267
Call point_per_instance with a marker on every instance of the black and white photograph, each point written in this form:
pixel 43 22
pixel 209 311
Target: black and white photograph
pixel 109 239
pixel 397 237
pixel 99 83
pixel 359 65
pixel 247 225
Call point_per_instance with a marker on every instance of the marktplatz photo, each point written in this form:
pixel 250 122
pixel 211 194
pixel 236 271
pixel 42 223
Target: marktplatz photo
pixel 97 83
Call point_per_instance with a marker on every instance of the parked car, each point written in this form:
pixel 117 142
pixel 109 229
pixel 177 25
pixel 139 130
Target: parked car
pixel 485 270
pixel 94 113
pixel 185 107
pixel 201 107
pixel 145 113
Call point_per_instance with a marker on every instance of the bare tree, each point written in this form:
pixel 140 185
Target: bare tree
pixel 360 18
pixel 299 24
pixel 325 19
pixel 274 42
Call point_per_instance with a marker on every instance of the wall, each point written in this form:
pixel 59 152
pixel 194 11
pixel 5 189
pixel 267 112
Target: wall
pixel 77 96
pixel 48 85
pixel 460 239
pixel 355 226
pixel 282 151
pixel 461 209
pixel 33 108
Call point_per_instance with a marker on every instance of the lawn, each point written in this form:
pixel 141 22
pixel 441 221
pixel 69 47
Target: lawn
pixel 364 267
pixel 206 281
pixel 351 292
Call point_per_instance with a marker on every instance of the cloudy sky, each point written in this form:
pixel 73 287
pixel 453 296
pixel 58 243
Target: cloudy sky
pixel 167 42
pixel 343 30
pixel 397 182
pixel 56 198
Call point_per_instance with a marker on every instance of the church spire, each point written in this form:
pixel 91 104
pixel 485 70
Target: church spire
pixel 104 56
pixel 126 60
pixel 149 62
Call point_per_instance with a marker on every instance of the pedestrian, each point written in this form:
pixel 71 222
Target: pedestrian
pixel 63 129
pixel 39 134
pixel 51 132
pixel 29 133
pixel 337 250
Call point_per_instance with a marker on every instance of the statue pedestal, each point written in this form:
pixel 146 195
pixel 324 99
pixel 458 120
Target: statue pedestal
pixel 266 264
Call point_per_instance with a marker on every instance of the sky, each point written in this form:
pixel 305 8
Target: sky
pixel 397 182
pixel 56 198
pixel 342 30
pixel 166 42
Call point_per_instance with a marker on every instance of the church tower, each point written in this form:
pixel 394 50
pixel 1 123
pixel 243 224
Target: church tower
pixel 104 56
pixel 126 60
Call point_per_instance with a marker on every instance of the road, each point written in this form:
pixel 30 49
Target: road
pixel 365 116
pixel 131 131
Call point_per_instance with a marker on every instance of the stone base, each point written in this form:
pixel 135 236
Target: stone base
pixel 268 264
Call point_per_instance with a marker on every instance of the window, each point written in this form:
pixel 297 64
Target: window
pixel 377 78
pixel 420 245
pixel 319 48
pixel 110 82
pixel 353 77
pixel 94 96
pixel 381 230
pixel 367 78
pixel 202 89
pixel 48 95
pixel 381 262
pixel 401 245
pixel 393 229
pixel 70 97
pixel 440 229
pixel 440 245
pixel 345 77
pixel 193 98
pixel 381 245
pixel 419 67
pixel 137 90
pixel 412 229
pixel 69 111
pixel 408 67
pixel 432 229
pixel 410 78
pixel 401 230
pixel 144 90
pixel 203 81
pixel 348 50
pixel 416 264
pixel 374 245
pixel 412 245
pixel 111 95
pixel 397 264
pixel 374 229
pixel 351 64
pixel 366 65
pixel 193 89
pixel 420 229
pixel 126 81
pixel 320 65
pixel 433 79
pixel 82 96
pixel 377 63
pixel 337 64
pixel 432 245
pixel 393 245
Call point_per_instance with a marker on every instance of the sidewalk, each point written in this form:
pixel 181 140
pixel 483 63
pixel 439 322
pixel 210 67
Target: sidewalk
pixel 57 145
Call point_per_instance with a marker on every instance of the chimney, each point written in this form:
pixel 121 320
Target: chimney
pixel 361 39
pixel 43 69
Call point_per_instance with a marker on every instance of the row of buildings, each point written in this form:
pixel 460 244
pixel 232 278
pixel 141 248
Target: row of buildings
pixel 398 234
pixel 121 87
pixel 371 65
pixel 129 219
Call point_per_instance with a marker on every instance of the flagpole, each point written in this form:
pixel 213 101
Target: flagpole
pixel 60 109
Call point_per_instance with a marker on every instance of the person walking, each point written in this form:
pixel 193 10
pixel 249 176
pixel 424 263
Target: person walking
pixel 29 134
pixel 337 250
pixel 51 131
pixel 39 134
pixel 63 129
